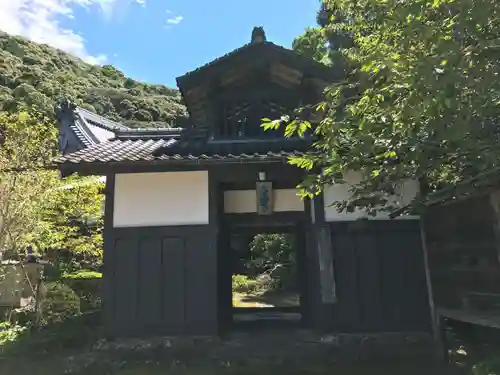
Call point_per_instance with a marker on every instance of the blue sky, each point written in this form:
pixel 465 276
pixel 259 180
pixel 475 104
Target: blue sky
pixel 154 40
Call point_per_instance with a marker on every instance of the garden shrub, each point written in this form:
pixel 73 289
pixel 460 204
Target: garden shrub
pixel 60 303
pixel 87 285
pixel 244 284
pixel 9 332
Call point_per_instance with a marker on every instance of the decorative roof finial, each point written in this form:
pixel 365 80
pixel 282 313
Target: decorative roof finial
pixel 65 108
pixel 258 35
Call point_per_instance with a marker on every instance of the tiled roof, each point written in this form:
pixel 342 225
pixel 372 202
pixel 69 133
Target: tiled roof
pixel 114 151
pixel 263 46
pixel 144 149
pixel 89 128
pixel 81 132
pixel 99 121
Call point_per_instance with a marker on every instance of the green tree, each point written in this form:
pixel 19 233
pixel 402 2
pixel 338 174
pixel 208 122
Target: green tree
pixel 312 44
pixel 325 42
pixel 71 221
pixel 27 144
pixel 36 206
pixel 421 97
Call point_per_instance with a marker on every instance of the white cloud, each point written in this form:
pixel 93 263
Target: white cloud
pixel 175 20
pixel 105 5
pixel 142 3
pixel 39 21
pixel 97 60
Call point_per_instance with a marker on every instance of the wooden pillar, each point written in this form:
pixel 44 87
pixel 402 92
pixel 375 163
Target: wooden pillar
pixel 321 244
pixel 214 227
pixel 325 252
pixel 108 284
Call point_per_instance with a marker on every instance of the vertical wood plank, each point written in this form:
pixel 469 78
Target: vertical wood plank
pixel 347 281
pixel 126 284
pixel 396 277
pixel 150 284
pixel 201 283
pixel 174 279
pixel 371 315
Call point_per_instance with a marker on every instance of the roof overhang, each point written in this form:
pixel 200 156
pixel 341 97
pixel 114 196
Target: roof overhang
pixel 263 52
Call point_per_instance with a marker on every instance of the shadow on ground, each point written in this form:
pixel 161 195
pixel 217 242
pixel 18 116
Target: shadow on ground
pixel 77 347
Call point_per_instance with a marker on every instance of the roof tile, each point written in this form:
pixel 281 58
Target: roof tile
pixel 132 150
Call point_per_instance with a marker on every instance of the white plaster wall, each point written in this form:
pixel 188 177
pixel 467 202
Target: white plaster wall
pixel 240 201
pixel 245 201
pixel 405 193
pixel 161 199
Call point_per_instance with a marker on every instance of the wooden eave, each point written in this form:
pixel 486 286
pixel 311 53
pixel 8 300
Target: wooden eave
pixel 284 67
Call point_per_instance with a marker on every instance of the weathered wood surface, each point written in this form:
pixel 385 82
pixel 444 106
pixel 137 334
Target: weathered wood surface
pixel 462 242
pixel 326 271
pixel 163 281
pixel 482 318
pixel 380 277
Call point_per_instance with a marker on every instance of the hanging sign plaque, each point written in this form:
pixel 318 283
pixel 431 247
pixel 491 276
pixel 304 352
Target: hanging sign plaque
pixel 264 191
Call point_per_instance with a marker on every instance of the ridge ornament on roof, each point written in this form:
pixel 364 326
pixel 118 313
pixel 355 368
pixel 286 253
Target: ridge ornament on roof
pixel 79 128
pixel 258 35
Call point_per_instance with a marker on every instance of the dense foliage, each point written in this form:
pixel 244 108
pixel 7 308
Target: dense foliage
pixel 60 303
pixel 420 98
pixel 36 207
pixel 27 145
pixel 70 228
pixel 37 75
pixel 313 44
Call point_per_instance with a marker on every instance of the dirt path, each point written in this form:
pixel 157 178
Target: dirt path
pixel 239 301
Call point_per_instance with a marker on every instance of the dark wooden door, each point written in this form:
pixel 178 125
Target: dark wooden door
pixel 380 277
pixel 162 281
